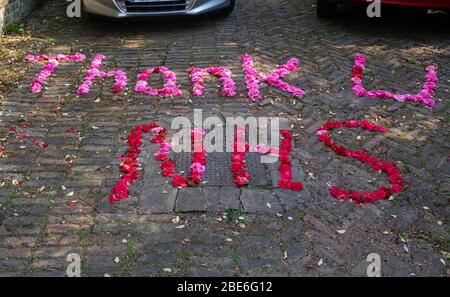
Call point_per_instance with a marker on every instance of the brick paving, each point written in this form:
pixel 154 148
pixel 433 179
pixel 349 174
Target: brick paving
pixel 54 198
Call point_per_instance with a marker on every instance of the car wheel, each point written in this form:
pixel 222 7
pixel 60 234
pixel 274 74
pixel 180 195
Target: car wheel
pixel 326 9
pixel 229 9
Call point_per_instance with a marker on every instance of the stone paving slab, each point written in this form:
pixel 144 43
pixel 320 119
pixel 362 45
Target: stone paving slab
pixel 218 191
pixel 260 201
pixel 222 198
pixel 190 200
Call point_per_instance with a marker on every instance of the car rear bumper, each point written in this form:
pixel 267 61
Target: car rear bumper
pixel 112 8
pixel 432 4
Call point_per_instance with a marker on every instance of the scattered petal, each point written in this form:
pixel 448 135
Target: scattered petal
pixel 405 248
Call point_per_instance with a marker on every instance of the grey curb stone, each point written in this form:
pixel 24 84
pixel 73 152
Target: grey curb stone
pixel 222 198
pixel 256 201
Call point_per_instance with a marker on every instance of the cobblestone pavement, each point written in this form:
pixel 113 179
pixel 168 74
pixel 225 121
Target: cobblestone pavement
pixel 54 192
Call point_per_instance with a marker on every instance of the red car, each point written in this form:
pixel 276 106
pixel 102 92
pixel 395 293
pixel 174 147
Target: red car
pixel 328 8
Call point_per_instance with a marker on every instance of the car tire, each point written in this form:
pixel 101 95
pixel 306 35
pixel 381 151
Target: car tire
pixel 228 10
pixel 326 9
pixel 92 18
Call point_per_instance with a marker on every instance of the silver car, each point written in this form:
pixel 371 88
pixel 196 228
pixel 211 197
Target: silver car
pixel 156 8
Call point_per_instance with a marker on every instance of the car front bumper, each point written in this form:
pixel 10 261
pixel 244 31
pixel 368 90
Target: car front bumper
pixel 113 9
